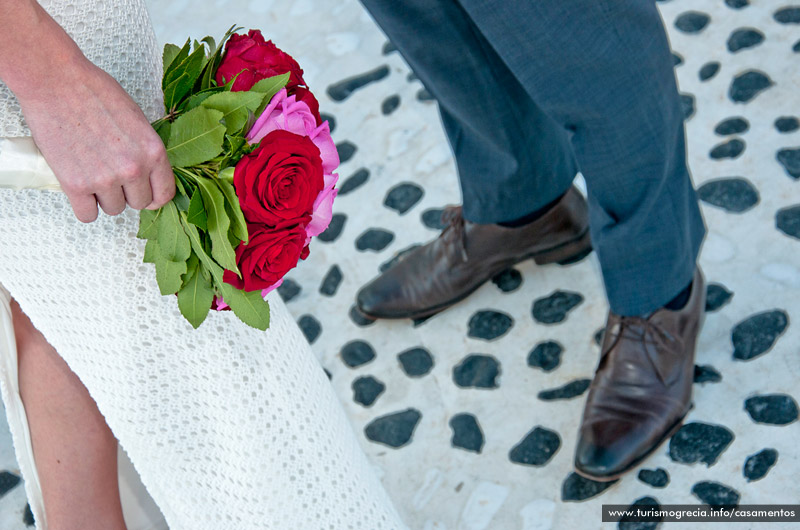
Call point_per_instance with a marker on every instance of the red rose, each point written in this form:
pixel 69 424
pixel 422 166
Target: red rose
pixel 256 60
pixel 303 94
pixel 267 257
pixel 278 183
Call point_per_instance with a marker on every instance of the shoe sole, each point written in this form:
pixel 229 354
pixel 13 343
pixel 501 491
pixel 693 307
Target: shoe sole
pixel 564 254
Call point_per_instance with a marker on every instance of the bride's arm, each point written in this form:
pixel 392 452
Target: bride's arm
pixel 93 135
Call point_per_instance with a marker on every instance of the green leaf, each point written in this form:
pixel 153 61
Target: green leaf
pixel 181 200
pixel 249 307
pixel 196 99
pixel 148 223
pixel 170 53
pixel 269 87
pixel 211 266
pixel 196 137
pixel 162 129
pixel 172 240
pixel 238 223
pixel 177 90
pixel 151 251
pixel 191 267
pixel 197 211
pixel 170 72
pixel 218 224
pixel 195 297
pixel 235 107
pixel 168 275
pixel 191 65
pixel 212 44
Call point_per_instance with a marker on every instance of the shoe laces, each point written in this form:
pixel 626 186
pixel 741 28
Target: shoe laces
pixel 454 230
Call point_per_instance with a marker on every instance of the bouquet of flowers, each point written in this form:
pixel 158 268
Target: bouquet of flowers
pixel 254 167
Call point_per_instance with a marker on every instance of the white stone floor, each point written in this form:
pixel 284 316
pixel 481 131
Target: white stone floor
pixel 437 486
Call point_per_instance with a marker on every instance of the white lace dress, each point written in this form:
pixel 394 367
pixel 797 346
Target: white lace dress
pixel 228 427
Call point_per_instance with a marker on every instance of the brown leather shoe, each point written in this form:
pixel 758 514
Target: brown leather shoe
pixel 642 388
pixel 465 255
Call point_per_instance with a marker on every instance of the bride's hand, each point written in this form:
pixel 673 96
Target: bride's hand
pixel 95 138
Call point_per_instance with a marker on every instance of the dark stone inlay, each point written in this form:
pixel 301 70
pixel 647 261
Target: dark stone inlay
pixel 354 181
pixel 788 15
pixel 568 391
pixel 687 103
pixel 649 523
pixel 708 70
pixel 677 60
pixel 692 21
pixel 537 448
pixel 748 85
pixel 477 371
pixel 388 47
pixel 397 258
pixel 310 327
pixel 758 465
pixel 732 194
pixel 375 239
pixel 737 4
pixel 328 374
pixel 787 220
pixel 554 308
pixel 598 336
pixel 730 149
pixel 467 433
pixel 757 334
pixel 772 409
pixel 796 47
pixel 489 325
pixel 577 488
pixel 424 95
pixel 744 38
pixel 330 119
pixel 508 280
pixel 8 481
pixel 359 319
pixel 790 160
pixel 706 374
pixel 334 229
pixel 403 197
pixel 330 284
pixel 394 430
pixel 715 494
pixel 390 104
pixel 432 218
pixel 416 362
pixel 717 296
pixel 417 322
pixel 787 124
pixel 658 478
pixel 27 516
pixel 344 88
pixel 735 125
pixel 356 353
pixel 546 355
pixel 412 77
pixel 346 150
pixel 699 442
pixel 289 289
pixel 366 390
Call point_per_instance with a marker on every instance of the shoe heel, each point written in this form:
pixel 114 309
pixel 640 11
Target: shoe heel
pixel 567 253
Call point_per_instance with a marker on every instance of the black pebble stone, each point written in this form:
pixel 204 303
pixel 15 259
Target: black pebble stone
pixel 772 409
pixel 677 60
pixel 508 280
pixel 744 38
pixel 432 218
pixel 577 488
pixel 546 355
pixel 692 22
pixel 748 85
pixel 788 15
pixel 733 194
pixel 388 48
pixel 359 319
pixel 477 371
pixel 27 516
pixel 375 239
pixel 346 151
pixel 787 124
pixel 390 104
pixel 706 374
pixel 737 4
pixel 638 524
pixel 397 258
pixel 568 391
pixel 730 149
pixel 699 442
pixel 687 103
pixel 403 197
pixel 736 125
pixel 354 181
pixel 356 353
pixel 755 335
pixel 708 70
pixel 716 297
pixel 330 119
pixel 331 282
pixel 790 160
pixel 598 336
pixel 310 327
pixel 289 289
pixel 366 390
pixel 467 433
pixel 554 308
pixel 758 465
pixel 345 88
pixel 424 95
pixel 416 362
pixel 787 220
pixel 334 229
pixel 715 494
pixel 537 448
pixel 658 478
pixel 489 325
pixel 394 430
pixel 8 481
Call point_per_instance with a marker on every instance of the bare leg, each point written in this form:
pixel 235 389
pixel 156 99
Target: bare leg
pixel 75 451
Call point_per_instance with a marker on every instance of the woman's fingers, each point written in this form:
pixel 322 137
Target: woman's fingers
pixel 111 200
pixel 162 183
pixel 84 206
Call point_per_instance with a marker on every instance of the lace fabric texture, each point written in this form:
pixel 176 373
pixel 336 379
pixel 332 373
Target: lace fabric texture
pixel 117 36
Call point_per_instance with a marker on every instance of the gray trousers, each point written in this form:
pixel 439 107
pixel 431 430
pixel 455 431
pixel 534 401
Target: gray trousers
pixel 532 91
